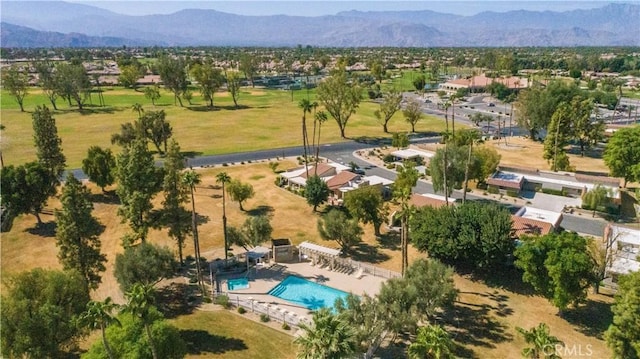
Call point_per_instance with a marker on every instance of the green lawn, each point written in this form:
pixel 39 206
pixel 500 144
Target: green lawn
pixel 266 119
pixel 221 334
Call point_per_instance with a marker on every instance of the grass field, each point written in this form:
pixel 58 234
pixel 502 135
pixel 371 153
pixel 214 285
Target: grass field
pixel 483 321
pixel 265 119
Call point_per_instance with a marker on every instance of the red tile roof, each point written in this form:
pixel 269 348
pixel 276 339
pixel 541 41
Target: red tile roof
pixel 341 179
pixel 423 201
pixel 324 170
pixel 527 226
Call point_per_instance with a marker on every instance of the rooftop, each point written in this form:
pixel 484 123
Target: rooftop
pixel 528 226
pixel 427 199
pixel 412 153
pixel 541 215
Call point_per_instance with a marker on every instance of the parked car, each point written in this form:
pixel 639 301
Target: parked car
pixel 491 104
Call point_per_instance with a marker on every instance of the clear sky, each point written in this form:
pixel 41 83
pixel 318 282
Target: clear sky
pixel 317 8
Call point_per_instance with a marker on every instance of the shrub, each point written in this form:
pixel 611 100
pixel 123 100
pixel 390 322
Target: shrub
pixel 241 310
pixel 225 164
pixel 391 166
pixel 223 300
pixel 554 192
pixel 372 153
pixel 286 326
pixel 493 190
pixel 207 299
pixel 512 193
pixel 388 158
pixel 264 318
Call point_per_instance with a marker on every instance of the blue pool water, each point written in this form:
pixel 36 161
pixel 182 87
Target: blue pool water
pixel 305 293
pixel 238 283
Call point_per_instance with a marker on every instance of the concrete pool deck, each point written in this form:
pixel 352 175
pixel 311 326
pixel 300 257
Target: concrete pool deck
pixel 262 280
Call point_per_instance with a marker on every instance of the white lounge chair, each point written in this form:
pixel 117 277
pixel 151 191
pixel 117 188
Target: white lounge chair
pixel 359 273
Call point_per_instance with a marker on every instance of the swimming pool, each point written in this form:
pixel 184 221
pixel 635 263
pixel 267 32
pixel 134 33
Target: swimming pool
pixel 238 283
pixel 305 293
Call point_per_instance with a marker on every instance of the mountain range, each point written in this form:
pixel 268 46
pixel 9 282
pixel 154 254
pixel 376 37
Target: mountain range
pixel 63 24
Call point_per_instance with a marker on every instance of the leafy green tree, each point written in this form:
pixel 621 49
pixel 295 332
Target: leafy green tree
pixel 316 191
pixel 16 83
pixel 98 316
pixel 138 182
pixel 46 81
pixel 419 82
pixel 340 98
pixel 558 137
pixel 126 339
pixel 378 71
pixel 558 266
pixel 223 178
pixel 474 234
pixel 388 107
pixel 209 80
pixel 400 140
pixel 129 132
pixel 412 113
pixel 336 226
pixel 174 75
pixel 585 131
pixel 140 304
pixel 38 313
pixel 176 193
pixel 233 86
pixel 328 337
pixel 367 206
pixel 99 166
pixel 364 316
pixel 257 230
pixel 72 83
pixel 152 93
pixel 26 189
pixel 543 344
pixel 129 76
pixel 406 179
pixel 47 142
pixel 239 191
pixel 249 65
pixel 455 168
pixel 77 234
pixel 145 263
pixel 487 160
pixel 156 129
pixel 432 342
pixel 622 154
pixel 595 198
pixel 623 336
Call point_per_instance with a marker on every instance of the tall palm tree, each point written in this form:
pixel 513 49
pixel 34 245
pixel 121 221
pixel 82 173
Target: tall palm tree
pixel 321 117
pixel 306 107
pixel 404 196
pixel 138 108
pixel 432 342
pixel 453 114
pixel 446 106
pixel 445 138
pixel 191 178
pixel 224 178
pixel 141 298
pixel 98 316
pixel 328 337
pixel 543 344
pixel 467 138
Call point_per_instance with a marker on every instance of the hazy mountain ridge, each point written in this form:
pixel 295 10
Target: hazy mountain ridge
pixel 614 24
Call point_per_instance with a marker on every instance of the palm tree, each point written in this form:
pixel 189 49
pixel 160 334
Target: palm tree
pixel 223 178
pixel 446 115
pixel 98 316
pixel 404 196
pixel 543 345
pixel 141 298
pixel 321 117
pixel 432 342
pixel 191 178
pixel 306 107
pixel 467 138
pixel 328 338
pixel 138 108
pixel 445 138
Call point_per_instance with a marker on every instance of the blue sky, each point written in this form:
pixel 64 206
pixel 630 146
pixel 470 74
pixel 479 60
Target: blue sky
pixel 317 8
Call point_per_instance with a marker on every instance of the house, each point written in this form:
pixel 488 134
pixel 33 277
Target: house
pixel 568 183
pixel 623 251
pixel 428 199
pixel 419 156
pixel 535 222
pixel 479 83
pixel 297 178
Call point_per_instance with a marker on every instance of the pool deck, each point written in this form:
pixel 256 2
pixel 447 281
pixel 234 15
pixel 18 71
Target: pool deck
pixel 263 279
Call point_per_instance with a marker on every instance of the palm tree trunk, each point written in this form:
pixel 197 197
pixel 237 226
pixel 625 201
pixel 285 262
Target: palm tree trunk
pixel 466 173
pixel 224 224
pixel 453 118
pixel 304 144
pixel 444 175
pixel 151 344
pixel 196 242
pixel 107 347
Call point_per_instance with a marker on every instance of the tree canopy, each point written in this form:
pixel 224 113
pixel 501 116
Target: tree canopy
pixel 26 189
pixel 47 142
pixel 100 166
pixel 16 83
pixel 622 154
pixel 558 266
pixel 316 191
pixel 337 226
pixel 340 98
pixel 623 336
pixel 367 205
pixel 38 313
pixel 239 191
pixel 144 264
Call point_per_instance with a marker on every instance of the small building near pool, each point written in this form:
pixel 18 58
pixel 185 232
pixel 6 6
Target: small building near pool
pixel 282 250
